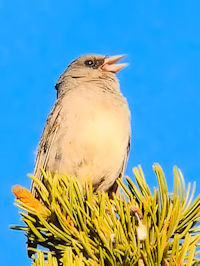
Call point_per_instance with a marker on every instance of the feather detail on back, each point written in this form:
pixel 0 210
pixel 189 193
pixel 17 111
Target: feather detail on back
pixel 46 142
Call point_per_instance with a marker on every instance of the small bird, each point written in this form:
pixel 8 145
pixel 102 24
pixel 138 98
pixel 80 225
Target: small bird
pixel 87 133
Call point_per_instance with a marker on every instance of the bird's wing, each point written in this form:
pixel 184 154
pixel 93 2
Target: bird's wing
pixel 47 139
pixel 115 187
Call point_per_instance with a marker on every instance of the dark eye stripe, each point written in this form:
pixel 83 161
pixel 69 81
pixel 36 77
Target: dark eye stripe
pixel 96 63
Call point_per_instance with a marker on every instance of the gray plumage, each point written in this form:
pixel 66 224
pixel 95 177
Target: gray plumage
pixel 87 133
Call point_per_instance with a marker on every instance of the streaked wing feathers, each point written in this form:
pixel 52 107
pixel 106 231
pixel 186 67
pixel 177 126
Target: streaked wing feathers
pixel 46 142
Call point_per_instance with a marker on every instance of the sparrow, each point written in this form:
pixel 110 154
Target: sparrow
pixel 87 133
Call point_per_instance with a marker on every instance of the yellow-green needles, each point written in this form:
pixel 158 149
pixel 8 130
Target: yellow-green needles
pixel 135 228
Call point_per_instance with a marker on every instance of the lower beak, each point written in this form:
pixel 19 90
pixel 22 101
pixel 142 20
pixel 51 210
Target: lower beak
pixel 110 66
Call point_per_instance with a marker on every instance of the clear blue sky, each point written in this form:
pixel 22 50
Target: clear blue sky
pixel 38 39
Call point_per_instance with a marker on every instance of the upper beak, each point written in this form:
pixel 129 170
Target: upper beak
pixel 109 63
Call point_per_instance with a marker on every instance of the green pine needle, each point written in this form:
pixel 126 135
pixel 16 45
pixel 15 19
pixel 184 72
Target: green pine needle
pixel 135 228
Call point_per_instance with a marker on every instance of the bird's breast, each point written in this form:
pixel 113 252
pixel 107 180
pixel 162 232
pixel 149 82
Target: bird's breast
pixel 94 120
pixel 93 134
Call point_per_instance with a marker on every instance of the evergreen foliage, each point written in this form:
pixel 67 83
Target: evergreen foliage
pixel 73 226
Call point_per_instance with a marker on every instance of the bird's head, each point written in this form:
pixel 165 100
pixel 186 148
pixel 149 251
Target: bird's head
pixel 92 67
pixel 95 65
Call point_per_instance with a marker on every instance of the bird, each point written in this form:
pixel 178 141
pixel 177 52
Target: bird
pixel 87 133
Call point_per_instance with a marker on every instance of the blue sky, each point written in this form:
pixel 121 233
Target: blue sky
pixel 38 39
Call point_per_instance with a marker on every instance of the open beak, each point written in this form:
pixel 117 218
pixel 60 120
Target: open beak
pixel 109 63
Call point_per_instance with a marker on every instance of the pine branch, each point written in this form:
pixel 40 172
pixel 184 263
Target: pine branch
pixel 73 226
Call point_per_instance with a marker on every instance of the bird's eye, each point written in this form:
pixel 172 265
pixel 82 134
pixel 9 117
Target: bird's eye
pixel 89 63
